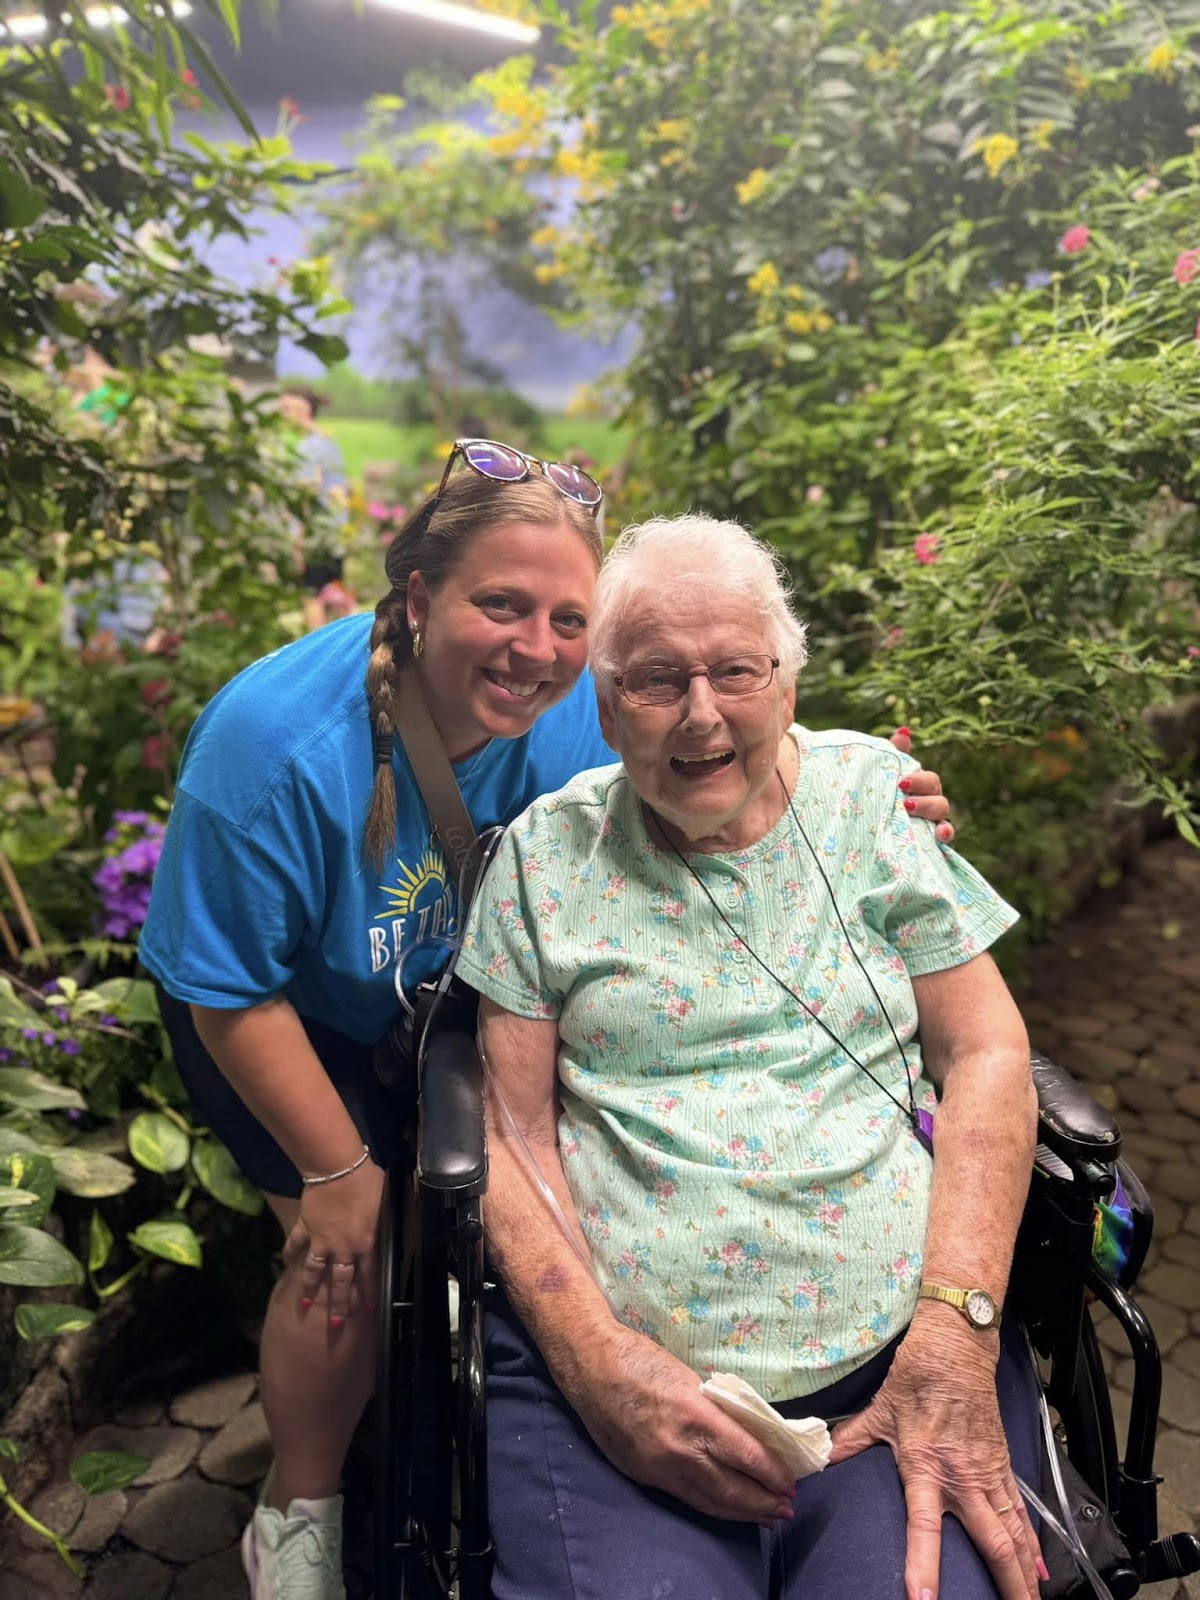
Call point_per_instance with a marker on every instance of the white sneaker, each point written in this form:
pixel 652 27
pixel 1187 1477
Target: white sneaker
pixel 297 1557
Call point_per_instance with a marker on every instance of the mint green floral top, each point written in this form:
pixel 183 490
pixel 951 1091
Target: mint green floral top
pixel 752 1200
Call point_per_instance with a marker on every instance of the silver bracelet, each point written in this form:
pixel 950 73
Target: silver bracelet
pixel 329 1177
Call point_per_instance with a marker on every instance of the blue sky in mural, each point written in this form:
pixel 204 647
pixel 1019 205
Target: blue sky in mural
pixel 538 359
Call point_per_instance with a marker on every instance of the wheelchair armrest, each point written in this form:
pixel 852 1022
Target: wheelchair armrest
pixel 1070 1123
pixel 451 1149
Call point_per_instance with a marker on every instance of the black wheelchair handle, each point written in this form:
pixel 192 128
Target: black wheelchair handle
pixel 1070 1123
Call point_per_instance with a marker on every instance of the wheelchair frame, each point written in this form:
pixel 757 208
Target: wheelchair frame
pixel 431 1516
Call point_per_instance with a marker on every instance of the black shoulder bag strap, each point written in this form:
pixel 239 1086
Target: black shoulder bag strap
pixel 435 778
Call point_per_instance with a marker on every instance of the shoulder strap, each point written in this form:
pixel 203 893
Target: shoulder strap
pixel 436 781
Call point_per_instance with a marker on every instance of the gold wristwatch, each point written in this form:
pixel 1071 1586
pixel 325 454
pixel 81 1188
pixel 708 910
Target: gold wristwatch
pixel 976 1305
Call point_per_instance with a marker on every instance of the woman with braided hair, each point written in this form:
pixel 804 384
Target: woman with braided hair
pixel 302 890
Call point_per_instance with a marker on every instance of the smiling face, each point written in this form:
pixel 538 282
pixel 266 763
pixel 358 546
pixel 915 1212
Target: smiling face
pixel 505 636
pixel 705 765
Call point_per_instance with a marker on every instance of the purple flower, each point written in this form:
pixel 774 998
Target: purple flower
pixel 60 1015
pixel 69 1047
pixel 5 1054
pixel 1040 279
pixel 109 1022
pixel 49 1038
pixel 51 987
pixel 29 1033
pixel 832 263
pixel 73 1115
pixel 133 819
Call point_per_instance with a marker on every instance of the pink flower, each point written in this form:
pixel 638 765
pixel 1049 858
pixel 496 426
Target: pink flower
pixel 378 510
pixel 1075 239
pixel 926 547
pixel 895 635
pixel 288 108
pixel 117 96
pixel 1194 651
pixel 190 78
pixel 1187 265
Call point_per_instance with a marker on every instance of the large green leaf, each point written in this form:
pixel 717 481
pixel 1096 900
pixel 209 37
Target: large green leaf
pixel 13 1009
pixel 33 1259
pixel 18 1200
pixel 173 1241
pixel 218 1172
pixel 101 1470
pixel 29 1172
pixel 157 1143
pixel 90 1174
pixel 45 1321
pixel 132 998
pixel 100 1241
pixel 33 1091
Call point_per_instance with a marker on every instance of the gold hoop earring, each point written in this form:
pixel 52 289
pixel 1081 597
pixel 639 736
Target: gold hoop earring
pixel 418 644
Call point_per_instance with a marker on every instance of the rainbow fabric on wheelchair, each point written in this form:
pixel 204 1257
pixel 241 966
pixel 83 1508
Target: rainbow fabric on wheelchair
pixel 1112 1232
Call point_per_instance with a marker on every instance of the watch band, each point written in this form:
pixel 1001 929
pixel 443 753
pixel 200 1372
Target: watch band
pixel 959 1298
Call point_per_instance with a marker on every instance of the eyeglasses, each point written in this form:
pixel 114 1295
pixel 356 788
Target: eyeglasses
pixel 663 686
pixel 504 463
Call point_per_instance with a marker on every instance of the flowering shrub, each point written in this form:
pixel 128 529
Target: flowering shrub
pixel 127 871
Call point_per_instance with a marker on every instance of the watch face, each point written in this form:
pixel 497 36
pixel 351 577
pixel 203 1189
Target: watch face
pixel 980 1308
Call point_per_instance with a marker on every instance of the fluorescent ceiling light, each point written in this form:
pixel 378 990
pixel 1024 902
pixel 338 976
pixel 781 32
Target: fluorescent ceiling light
pixel 465 17
pixel 33 24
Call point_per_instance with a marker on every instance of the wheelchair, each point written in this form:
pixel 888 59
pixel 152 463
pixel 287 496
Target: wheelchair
pixel 431 1536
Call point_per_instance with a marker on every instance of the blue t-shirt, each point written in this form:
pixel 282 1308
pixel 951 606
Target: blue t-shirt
pixel 263 888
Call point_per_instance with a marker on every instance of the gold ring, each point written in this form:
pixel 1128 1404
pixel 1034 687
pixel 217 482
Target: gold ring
pixel 1001 1510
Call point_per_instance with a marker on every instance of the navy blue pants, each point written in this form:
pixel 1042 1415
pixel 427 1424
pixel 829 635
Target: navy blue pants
pixel 569 1526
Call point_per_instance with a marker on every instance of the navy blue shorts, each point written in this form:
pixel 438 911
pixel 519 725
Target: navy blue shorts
pixel 568 1526
pixel 378 1115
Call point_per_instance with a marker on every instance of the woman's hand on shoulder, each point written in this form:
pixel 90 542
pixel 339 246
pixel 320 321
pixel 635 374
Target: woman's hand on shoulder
pixel 938 1410
pixel 645 1410
pixel 923 795
pixel 333 1245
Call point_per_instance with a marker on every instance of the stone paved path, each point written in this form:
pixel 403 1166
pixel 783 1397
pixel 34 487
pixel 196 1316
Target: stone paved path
pixel 1116 999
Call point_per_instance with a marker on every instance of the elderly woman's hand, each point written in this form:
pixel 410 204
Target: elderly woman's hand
pixel 646 1412
pixel 923 795
pixel 938 1410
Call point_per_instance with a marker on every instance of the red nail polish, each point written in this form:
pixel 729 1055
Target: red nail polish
pixel 907 732
pixel 307 1304
pixel 336 1322
pixel 910 805
pixel 905 785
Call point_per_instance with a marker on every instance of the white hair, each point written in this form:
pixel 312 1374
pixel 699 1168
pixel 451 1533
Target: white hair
pixel 654 560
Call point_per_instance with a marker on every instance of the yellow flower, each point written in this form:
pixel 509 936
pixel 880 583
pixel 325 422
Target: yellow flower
pixel 765 280
pixel 821 321
pixel 672 130
pixel 547 271
pixel 1040 137
pixel 998 151
pixel 798 322
pixel 620 16
pixel 752 186
pixel 1076 78
pixel 544 237
pixel 1161 61
pixel 672 158
pixel 793 291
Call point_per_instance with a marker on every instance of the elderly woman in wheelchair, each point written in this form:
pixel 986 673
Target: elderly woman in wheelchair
pixel 713 1145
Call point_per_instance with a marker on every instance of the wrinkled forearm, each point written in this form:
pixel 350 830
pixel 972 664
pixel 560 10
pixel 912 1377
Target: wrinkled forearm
pixel 556 1297
pixel 984 1137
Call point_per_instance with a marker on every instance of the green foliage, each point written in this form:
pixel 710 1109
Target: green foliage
pixel 914 299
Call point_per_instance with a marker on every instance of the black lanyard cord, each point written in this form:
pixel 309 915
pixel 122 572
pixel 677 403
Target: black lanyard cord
pixel 909 1111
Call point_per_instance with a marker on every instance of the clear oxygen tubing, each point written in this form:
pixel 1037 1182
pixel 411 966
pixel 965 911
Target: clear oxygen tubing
pixel 1064 1527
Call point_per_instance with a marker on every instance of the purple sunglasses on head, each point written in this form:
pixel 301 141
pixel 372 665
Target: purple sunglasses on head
pixel 504 463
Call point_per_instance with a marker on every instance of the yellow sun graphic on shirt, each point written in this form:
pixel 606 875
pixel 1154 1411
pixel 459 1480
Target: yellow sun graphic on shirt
pixel 403 896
